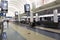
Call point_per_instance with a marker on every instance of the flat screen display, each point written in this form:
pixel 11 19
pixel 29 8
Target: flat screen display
pixel 16 13
pixel 4 5
pixel 27 7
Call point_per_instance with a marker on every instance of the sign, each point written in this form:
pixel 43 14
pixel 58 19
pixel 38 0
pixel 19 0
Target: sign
pixel 4 5
pixel 4 14
pixel 16 13
pixel 27 7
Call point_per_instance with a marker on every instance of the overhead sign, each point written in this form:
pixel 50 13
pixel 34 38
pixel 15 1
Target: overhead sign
pixel 4 14
pixel 27 7
pixel 4 5
pixel 16 13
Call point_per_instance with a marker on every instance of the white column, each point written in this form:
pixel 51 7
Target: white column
pixel 55 15
pixel 19 17
pixel 27 18
pixel 31 17
pixel 37 17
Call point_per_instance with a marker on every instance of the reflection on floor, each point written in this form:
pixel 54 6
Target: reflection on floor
pixel 52 33
pixel 31 34
pixel 12 34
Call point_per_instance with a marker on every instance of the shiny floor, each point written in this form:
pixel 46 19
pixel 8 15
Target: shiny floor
pixel 12 34
pixel 23 32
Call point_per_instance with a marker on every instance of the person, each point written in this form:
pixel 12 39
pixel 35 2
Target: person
pixel 7 21
pixel 33 24
pixel 4 25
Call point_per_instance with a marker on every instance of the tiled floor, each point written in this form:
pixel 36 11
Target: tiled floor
pixel 29 34
pixel 18 32
pixel 12 34
pixel 52 33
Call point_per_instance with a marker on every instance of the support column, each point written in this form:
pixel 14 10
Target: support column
pixel 37 17
pixel 16 15
pixel 55 18
pixel 55 15
pixel 27 16
pixel 31 17
pixel 19 17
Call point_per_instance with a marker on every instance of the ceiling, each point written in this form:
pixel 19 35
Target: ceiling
pixel 18 5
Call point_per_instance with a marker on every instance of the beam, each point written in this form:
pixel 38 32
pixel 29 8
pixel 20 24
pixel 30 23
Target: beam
pixel 47 6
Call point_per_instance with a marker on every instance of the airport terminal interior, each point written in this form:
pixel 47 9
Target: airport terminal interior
pixel 29 19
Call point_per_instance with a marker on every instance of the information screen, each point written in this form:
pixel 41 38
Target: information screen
pixel 16 13
pixel 27 7
pixel 4 5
